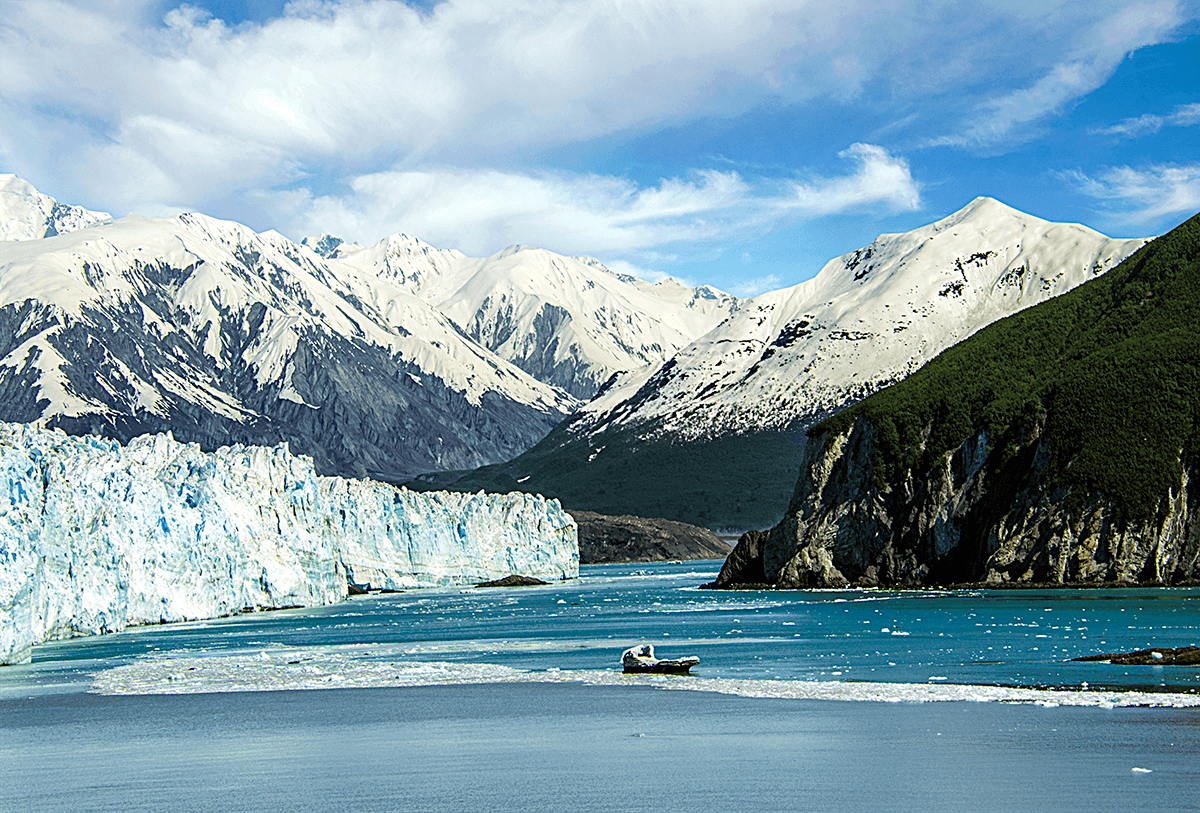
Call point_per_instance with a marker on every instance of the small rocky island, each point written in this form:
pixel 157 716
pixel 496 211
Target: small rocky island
pixel 513 581
pixel 605 539
pixel 1156 656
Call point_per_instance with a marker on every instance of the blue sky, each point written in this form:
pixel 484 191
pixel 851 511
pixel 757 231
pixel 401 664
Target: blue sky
pixel 741 145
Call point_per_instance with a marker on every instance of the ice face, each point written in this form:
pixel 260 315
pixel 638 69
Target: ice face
pixel 95 536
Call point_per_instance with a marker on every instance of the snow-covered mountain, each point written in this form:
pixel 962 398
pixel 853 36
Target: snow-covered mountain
pixel 223 335
pixel 567 321
pixel 26 214
pixel 788 358
pixel 95 537
pixel 868 319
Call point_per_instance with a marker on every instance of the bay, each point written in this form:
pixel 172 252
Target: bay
pixel 471 699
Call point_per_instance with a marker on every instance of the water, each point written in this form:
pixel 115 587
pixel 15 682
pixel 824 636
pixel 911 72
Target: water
pixel 463 699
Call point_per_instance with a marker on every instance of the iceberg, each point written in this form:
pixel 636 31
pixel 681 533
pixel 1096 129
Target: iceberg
pixel 96 536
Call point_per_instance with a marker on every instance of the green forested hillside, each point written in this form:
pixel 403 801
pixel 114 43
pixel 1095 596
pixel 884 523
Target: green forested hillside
pixel 1113 366
pixel 735 482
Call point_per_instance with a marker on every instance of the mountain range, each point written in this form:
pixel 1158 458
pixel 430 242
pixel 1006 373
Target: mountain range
pixel 219 334
pixel 713 436
pixel 526 370
pixel 567 321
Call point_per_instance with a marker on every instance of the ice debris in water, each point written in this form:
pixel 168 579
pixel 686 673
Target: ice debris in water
pixel 96 536
pixel 182 673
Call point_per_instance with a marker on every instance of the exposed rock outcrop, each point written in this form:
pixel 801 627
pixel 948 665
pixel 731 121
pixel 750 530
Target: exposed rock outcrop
pixel 974 519
pixel 1156 656
pixel 513 580
pixel 604 539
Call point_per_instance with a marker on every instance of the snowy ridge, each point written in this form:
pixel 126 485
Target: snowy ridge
pixel 567 321
pixel 868 319
pixel 204 327
pixel 95 537
pixel 412 264
pixel 26 214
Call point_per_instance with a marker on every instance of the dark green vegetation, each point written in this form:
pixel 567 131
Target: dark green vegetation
pixel 732 482
pixel 1112 368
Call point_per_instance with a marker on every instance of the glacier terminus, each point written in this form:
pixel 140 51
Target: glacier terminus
pixel 96 536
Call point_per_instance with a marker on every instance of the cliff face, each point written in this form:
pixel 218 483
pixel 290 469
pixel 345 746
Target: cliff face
pixel 976 516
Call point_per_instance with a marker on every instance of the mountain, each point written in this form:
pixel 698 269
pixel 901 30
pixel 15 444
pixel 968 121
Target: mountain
pixel 1057 446
pixel 221 335
pixel 714 435
pixel 27 214
pixel 567 321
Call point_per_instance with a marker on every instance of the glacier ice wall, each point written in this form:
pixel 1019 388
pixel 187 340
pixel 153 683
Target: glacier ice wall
pixel 95 536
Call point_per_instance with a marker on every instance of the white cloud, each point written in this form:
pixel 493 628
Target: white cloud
pixel 193 110
pixel 1008 117
pixel 881 179
pixel 481 211
pixel 1146 194
pixel 1185 115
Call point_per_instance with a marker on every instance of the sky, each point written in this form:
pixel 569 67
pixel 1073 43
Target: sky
pixel 741 145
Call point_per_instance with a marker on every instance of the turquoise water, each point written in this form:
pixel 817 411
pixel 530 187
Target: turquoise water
pixel 512 699
pixel 1005 638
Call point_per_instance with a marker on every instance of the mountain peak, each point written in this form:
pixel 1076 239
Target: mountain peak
pixel 27 214
pixel 326 245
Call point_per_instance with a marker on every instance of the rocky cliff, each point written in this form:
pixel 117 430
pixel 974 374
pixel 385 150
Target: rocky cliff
pixel 971 519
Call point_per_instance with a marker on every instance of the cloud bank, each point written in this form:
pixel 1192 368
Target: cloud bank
pixel 381 117
pixel 476 210
pixel 1146 193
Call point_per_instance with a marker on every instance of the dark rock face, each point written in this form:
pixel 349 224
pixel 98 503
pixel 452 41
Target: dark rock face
pixel 362 415
pixel 974 519
pixel 154 360
pixel 604 539
pixel 513 581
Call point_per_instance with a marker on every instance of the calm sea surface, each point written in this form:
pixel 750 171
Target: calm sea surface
pixel 512 699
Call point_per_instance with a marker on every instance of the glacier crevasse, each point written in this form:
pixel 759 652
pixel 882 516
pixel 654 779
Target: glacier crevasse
pixel 95 536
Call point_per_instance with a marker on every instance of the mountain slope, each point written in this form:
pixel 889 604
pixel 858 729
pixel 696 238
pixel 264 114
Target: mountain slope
pixel 718 427
pixel 204 328
pixel 1055 446
pixel 26 214
pixel 567 321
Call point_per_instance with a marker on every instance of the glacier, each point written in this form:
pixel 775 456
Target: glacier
pixel 96 536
